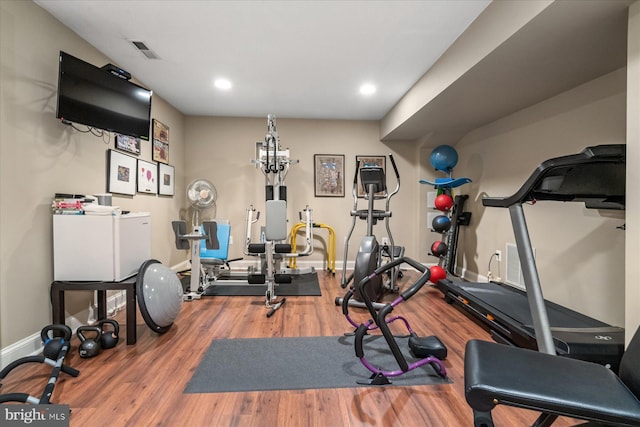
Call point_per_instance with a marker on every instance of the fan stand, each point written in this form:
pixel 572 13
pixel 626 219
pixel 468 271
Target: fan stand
pixel 195 237
pixel 202 194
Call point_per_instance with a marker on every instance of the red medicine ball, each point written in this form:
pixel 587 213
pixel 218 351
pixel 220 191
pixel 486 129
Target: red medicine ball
pixel 443 202
pixel 439 248
pixel 437 273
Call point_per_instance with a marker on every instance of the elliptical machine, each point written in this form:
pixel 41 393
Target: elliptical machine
pixel 371 253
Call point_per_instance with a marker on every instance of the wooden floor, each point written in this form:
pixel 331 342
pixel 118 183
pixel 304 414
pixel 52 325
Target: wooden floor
pixel 143 384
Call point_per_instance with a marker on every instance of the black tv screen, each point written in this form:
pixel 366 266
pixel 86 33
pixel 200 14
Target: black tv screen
pixel 94 97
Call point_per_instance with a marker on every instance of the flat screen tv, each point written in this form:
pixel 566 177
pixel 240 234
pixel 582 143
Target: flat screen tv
pixel 94 97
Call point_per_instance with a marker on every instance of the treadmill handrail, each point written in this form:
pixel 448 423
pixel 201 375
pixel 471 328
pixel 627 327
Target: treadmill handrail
pixel 559 168
pixel 567 173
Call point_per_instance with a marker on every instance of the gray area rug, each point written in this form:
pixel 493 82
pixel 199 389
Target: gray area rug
pixel 240 365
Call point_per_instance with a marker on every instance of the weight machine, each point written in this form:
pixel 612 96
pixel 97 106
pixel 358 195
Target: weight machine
pixel 274 163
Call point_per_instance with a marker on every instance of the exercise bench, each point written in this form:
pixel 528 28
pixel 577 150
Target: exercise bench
pixel 499 374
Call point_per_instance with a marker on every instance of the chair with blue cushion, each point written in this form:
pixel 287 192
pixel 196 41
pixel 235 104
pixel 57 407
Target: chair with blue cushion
pixel 211 260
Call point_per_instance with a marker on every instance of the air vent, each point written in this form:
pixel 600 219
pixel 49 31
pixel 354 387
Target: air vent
pixel 514 270
pixel 145 50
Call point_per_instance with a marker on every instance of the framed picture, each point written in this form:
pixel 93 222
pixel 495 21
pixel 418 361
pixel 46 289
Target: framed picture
pixel 160 145
pixel 147 177
pixel 329 175
pixel 166 179
pixel 160 131
pixel 363 161
pixel 128 144
pixel 121 173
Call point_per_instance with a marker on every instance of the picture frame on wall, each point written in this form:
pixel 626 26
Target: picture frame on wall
pixel 147 177
pixel 121 173
pixel 166 180
pixel 160 143
pixel 128 144
pixel 363 161
pixel 329 175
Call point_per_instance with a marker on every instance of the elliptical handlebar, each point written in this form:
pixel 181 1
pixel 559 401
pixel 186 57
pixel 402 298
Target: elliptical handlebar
pixel 395 170
pixel 354 189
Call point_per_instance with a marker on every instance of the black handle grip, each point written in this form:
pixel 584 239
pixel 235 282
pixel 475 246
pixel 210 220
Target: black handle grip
pixel 395 168
pixel 14 397
pixel 413 263
pixel 413 289
pixel 355 175
pixel 345 302
pixel 360 333
pixel 21 361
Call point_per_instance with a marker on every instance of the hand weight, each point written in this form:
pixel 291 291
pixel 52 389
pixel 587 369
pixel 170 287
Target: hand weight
pixel 53 345
pixel 89 347
pixel 109 338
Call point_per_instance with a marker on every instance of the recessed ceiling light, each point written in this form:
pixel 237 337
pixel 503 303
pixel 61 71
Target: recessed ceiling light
pixel 367 89
pixel 223 84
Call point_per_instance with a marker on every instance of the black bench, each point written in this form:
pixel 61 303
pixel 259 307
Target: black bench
pixel 555 386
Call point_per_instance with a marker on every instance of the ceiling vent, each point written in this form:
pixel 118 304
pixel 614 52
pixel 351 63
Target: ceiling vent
pixel 145 50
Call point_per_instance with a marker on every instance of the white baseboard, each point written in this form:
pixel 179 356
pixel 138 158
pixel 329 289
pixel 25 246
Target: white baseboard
pixel 32 345
pixel 244 264
pixel 182 266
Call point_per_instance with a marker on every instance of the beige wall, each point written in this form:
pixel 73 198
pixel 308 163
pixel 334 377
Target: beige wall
pixel 579 251
pixel 40 156
pixel 502 18
pixel 221 149
pixel 632 276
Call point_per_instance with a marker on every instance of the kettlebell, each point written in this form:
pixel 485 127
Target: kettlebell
pixel 89 347
pixel 53 345
pixel 109 338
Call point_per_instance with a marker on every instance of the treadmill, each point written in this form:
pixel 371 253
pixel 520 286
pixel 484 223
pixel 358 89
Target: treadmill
pixel 595 177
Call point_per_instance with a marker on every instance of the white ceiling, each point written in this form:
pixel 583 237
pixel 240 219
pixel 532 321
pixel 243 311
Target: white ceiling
pixel 295 59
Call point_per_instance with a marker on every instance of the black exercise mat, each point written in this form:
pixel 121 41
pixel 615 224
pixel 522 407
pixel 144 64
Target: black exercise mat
pixel 301 284
pixel 240 365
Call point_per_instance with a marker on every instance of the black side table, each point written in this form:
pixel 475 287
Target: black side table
pixel 58 289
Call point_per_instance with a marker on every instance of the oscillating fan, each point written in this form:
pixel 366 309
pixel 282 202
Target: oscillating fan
pixel 202 196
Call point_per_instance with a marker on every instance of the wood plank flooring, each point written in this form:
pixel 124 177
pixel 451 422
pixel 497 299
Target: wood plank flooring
pixel 143 384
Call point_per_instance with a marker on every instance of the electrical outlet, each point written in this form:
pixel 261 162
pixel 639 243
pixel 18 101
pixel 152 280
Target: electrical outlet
pixel 498 255
pixel 385 241
pixel 231 240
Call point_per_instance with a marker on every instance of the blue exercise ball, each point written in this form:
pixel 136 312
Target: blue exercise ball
pixel 441 223
pixel 444 158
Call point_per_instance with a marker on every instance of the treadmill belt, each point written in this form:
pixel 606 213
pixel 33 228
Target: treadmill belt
pixel 513 303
